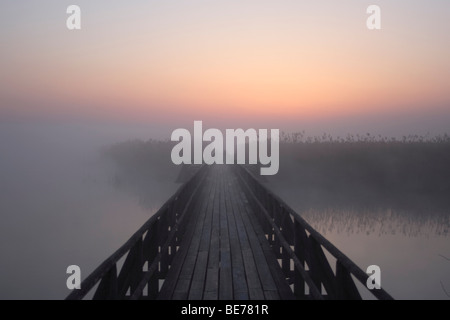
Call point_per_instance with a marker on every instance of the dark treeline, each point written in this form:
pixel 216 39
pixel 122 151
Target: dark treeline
pixel 413 171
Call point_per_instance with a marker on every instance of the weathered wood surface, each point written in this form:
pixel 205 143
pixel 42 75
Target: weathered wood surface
pixel 227 256
pixel 223 235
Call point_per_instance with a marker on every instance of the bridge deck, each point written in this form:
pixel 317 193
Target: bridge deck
pixel 224 253
pixel 224 235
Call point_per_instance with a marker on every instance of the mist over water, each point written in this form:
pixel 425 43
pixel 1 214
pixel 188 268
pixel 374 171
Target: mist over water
pixel 60 206
pixel 73 190
pixel 73 194
pixel 382 203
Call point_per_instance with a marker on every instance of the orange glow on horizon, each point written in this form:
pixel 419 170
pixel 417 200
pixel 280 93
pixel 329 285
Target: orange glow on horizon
pixel 270 65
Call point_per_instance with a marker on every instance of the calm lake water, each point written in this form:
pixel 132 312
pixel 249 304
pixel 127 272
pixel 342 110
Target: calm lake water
pixel 411 248
pixel 59 207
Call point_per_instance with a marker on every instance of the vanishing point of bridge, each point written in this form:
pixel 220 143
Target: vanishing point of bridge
pixel 223 235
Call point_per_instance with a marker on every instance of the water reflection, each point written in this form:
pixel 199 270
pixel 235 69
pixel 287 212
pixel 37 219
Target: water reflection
pixel 142 169
pixel 59 205
pixel 149 193
pixel 377 222
pixel 377 216
pixel 407 243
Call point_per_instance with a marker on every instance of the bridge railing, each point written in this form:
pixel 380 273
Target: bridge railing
pixel 152 247
pixel 297 245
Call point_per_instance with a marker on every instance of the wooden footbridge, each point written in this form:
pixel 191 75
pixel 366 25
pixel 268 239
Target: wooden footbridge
pixel 223 235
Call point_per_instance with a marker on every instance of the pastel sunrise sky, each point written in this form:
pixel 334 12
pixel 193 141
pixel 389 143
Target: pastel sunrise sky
pixel 290 64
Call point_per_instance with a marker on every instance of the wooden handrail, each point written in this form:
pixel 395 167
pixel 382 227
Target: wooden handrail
pixel 342 260
pixel 294 242
pixel 103 270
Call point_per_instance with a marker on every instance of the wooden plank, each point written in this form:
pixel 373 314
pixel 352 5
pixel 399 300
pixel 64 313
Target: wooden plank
pixel 199 277
pixel 212 274
pixel 207 227
pixel 224 252
pixel 271 295
pixel 171 280
pixel 278 276
pixel 172 277
pixel 191 258
pixel 225 276
pixel 270 265
pixel 265 275
pixel 240 290
pixel 251 273
pixel 211 284
pixel 256 293
pixel 214 258
pixel 106 265
pixel 181 289
pixel 186 275
pixel 298 265
pixel 223 214
pixel 285 292
pixel 226 280
pixel 255 290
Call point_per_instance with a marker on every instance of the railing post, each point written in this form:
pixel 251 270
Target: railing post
pixel 286 230
pixel 346 287
pixel 150 253
pixel 153 286
pixel 309 246
pixel 323 268
pixel 107 289
pixel 162 237
pixel 138 265
pixel 314 266
pixel 131 271
pixel 299 249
